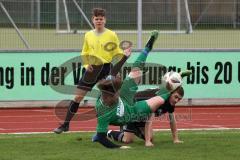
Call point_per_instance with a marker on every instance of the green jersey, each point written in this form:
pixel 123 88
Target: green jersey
pixel 125 111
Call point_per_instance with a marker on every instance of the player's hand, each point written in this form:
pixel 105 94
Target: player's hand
pixel 177 141
pixel 149 144
pixel 89 68
pixel 128 51
pixel 125 147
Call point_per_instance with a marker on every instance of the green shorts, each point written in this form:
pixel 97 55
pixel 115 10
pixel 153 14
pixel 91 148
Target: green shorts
pixel 142 108
pixel 137 111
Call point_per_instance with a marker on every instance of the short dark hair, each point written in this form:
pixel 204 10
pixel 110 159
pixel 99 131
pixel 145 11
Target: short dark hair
pixel 98 12
pixel 180 91
pixel 110 86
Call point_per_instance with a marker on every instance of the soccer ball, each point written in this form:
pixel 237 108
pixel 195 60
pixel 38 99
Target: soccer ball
pixel 173 80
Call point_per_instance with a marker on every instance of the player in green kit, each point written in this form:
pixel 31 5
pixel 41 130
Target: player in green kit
pixel 144 129
pixel 116 105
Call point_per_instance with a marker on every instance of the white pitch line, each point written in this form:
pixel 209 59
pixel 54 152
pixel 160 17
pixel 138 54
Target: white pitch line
pixel 42 111
pixel 199 129
pixel 29 116
pixel 157 130
pixel 204 125
pixel 29 122
pixel 22 133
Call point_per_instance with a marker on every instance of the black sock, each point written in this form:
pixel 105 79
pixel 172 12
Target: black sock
pixel 72 109
pixel 116 135
pixel 150 42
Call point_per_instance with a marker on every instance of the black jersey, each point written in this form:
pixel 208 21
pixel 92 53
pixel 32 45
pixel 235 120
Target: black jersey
pixel 138 127
pixel 166 107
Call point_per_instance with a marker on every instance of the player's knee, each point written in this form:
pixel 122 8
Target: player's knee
pixel 135 72
pixel 127 140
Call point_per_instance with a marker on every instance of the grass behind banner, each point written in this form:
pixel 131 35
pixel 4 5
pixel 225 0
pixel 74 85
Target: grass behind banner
pixel 198 145
pixel 49 39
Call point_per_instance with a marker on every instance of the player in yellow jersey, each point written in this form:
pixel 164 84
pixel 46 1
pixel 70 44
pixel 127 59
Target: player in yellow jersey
pixel 100 48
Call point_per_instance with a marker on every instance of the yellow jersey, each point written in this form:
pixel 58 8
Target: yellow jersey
pixel 100 48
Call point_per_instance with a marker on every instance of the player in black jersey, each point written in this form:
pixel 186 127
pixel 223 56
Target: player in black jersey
pixel 143 129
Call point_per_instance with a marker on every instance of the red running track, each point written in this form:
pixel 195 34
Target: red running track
pixel 45 120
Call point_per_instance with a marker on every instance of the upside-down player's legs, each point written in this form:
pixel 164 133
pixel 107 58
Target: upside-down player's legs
pixel 140 61
pixel 129 86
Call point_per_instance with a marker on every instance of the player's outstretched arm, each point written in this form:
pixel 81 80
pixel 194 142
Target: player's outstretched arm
pixel 173 127
pixel 149 132
pixel 117 67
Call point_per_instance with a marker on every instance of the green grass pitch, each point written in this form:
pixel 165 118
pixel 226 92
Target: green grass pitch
pixel 198 145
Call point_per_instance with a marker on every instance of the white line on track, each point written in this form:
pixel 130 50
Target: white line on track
pixel 192 129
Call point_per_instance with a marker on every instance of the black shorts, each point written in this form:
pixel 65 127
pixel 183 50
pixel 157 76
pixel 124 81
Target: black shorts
pixel 89 79
pixel 137 128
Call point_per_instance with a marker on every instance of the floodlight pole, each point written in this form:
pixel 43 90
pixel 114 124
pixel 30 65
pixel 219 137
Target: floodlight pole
pixel 57 15
pixel 32 13
pixel 178 15
pixel 234 17
pixel 14 25
pixel 38 14
pixel 139 24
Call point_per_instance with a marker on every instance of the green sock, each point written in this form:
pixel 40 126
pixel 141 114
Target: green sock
pixel 163 92
pixel 140 61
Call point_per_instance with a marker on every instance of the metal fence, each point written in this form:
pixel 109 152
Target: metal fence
pixel 42 24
